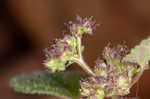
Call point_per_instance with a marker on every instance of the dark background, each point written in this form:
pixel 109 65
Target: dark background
pixel 28 26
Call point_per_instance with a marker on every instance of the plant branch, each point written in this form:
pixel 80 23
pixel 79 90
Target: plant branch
pixel 79 59
pixel 83 65
pixel 79 47
pixel 135 80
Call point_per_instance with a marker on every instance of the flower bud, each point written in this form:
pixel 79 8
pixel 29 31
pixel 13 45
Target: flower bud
pixel 82 26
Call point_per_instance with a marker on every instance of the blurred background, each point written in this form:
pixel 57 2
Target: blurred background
pixel 28 26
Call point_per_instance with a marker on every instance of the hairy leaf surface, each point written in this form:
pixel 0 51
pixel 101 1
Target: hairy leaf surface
pixel 61 84
pixel 140 54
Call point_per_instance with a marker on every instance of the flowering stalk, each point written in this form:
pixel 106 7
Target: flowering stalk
pixel 69 49
pixel 113 76
pixel 79 59
pixel 83 65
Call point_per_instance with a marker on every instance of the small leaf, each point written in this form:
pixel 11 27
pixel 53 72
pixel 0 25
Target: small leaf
pixel 140 54
pixel 61 84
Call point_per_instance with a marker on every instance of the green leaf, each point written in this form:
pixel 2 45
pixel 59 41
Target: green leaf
pixel 61 84
pixel 140 54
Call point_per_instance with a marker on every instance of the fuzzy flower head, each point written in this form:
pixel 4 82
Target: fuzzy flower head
pixel 113 76
pixel 82 25
pixel 60 53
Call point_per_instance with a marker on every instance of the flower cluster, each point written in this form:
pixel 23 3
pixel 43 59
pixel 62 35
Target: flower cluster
pixel 62 52
pixel 81 26
pixel 113 76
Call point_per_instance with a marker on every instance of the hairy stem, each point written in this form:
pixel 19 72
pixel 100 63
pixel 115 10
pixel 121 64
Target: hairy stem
pixel 137 78
pixel 79 46
pixel 79 59
pixel 84 66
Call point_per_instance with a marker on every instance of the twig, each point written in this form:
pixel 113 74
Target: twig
pixel 80 59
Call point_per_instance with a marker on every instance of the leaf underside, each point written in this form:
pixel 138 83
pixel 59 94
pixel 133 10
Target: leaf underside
pixel 140 54
pixel 61 84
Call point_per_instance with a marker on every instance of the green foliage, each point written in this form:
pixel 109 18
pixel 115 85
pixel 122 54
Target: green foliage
pixel 61 84
pixel 140 54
